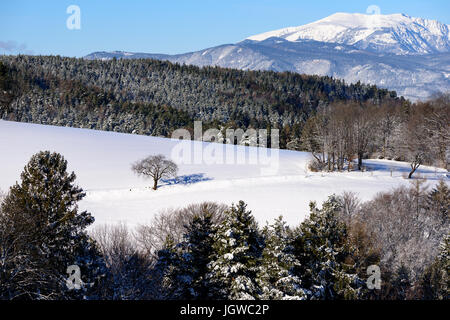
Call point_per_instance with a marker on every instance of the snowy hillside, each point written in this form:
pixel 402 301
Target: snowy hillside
pixel 102 162
pixel 394 33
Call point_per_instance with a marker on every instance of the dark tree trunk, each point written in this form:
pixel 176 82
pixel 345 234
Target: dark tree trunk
pixel 413 169
pixel 334 161
pixel 360 162
pixel 155 184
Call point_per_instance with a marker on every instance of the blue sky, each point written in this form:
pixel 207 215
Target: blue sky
pixel 171 26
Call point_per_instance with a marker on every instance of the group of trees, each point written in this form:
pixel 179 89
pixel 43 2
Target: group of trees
pixel 408 229
pixel 337 122
pixel 339 133
pixel 212 251
pixel 153 97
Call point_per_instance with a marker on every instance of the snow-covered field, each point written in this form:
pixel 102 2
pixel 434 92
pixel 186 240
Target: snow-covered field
pixel 102 163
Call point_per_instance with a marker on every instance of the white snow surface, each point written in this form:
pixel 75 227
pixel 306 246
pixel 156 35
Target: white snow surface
pixel 102 163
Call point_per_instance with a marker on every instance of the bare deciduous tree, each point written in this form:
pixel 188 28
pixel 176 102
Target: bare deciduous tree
pixel 437 126
pixel 350 205
pixel 152 237
pixel 157 167
pixel 406 227
pixel 115 242
pixel 130 271
pixel 417 148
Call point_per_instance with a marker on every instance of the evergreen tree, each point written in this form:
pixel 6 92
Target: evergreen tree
pixel 322 249
pixel 276 277
pixel 435 281
pixel 185 265
pixel 198 246
pixel 238 247
pixel 166 273
pixel 132 281
pixel 439 200
pixel 48 231
pixel 401 284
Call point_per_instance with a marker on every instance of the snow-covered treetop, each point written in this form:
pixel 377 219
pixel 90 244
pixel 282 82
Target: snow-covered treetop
pixel 394 33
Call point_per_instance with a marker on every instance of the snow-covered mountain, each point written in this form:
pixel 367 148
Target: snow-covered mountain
pixel 409 55
pixel 394 33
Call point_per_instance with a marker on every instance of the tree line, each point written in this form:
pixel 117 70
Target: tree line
pixel 417 133
pixel 214 251
pixel 154 97
pixel 337 122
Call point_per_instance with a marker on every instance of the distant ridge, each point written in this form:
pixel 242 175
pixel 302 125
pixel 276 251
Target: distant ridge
pixel 397 52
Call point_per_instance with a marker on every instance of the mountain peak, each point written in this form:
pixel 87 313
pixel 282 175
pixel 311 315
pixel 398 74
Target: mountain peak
pixel 394 33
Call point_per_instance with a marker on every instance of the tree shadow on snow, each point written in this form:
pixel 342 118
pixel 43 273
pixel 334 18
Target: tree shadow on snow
pixel 402 168
pixel 186 179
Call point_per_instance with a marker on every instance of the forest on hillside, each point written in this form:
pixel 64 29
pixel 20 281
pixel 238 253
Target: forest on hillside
pixel 337 122
pixel 153 97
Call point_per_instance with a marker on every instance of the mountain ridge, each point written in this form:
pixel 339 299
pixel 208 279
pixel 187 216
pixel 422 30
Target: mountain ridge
pixel 416 75
pixel 395 33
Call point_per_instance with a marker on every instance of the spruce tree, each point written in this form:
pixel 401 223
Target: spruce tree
pixel 401 283
pixel 322 249
pixel 435 281
pixel 43 213
pixel 439 200
pixel 276 276
pixel 185 265
pixel 167 271
pixel 238 247
pixel 198 250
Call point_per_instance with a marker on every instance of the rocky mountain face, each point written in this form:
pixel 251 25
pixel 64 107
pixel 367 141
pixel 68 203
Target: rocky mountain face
pixel 394 33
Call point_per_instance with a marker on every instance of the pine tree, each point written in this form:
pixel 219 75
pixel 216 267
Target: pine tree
pixel 198 246
pixel 322 249
pixel 439 200
pixel 401 283
pixel 185 265
pixel 43 214
pixel 435 281
pixel 132 281
pixel 167 271
pixel 276 277
pixel 238 247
